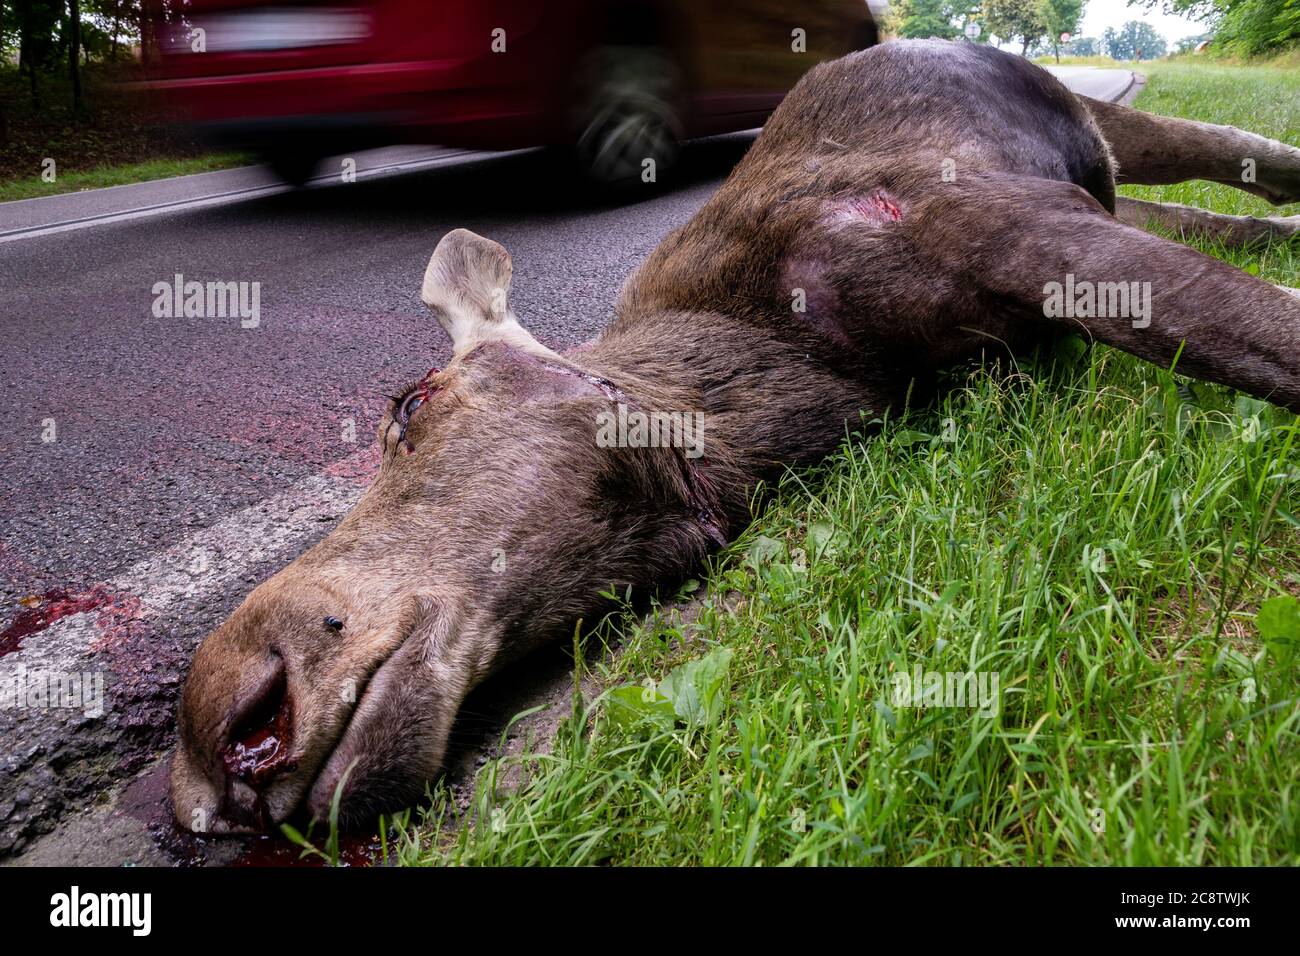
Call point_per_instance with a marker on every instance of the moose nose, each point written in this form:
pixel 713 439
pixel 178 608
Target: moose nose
pixel 260 741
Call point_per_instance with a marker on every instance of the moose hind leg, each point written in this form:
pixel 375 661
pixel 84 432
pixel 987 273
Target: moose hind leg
pixel 1068 263
pixel 1189 221
pixel 1156 150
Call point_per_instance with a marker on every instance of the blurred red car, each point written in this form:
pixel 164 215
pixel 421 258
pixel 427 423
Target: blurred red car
pixel 617 80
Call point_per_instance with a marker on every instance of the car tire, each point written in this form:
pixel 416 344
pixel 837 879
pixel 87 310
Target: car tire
pixel 630 112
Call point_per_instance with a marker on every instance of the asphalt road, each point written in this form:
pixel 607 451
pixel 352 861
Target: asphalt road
pixel 156 469
pixel 1099 84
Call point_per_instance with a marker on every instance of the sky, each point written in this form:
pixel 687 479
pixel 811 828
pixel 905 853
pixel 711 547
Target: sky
pixel 1100 14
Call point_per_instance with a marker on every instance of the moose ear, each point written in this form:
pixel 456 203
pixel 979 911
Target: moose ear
pixel 466 286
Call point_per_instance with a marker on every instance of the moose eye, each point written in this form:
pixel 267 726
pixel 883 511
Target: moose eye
pixel 409 405
pixel 333 623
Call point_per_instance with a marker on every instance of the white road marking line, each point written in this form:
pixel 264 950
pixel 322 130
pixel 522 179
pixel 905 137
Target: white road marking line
pixel 211 561
pixel 237 196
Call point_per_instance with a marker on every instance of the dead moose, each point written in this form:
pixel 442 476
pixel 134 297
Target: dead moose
pixel 919 196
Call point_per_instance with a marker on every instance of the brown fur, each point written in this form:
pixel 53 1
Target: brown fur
pixel 497 521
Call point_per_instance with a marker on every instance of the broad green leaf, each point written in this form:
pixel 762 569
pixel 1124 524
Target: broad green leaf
pixel 820 535
pixel 695 688
pixel 763 550
pixel 1279 625
pixel 632 707
pixel 1247 407
pixel 910 436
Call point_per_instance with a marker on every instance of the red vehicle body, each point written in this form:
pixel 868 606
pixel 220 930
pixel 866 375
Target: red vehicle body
pixel 617 78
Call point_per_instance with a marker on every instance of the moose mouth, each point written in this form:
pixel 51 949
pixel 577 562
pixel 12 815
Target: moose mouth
pixel 336 763
pixel 261 750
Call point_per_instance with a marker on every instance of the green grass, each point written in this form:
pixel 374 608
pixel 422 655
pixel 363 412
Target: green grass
pixel 76 180
pixel 1083 525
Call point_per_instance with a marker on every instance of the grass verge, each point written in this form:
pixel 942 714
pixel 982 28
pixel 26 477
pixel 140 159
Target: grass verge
pixel 1093 532
pixel 34 187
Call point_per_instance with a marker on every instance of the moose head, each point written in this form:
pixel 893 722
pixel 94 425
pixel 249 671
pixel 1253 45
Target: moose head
pixel 496 520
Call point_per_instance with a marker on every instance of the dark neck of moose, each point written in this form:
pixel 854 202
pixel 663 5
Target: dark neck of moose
pixel 768 399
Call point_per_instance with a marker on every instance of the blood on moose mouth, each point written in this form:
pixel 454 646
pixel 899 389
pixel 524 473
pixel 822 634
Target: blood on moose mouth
pixel 261 743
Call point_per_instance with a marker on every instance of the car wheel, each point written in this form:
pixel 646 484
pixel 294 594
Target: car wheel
pixel 629 128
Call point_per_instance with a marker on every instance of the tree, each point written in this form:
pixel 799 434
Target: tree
pixel 917 19
pixel 1254 27
pixel 1192 9
pixel 150 14
pixel 117 18
pixel 44 38
pixel 36 25
pixel 1135 40
pixel 74 51
pixel 6 48
pixel 1015 20
pixel 1249 27
pixel 1083 46
pixel 1059 16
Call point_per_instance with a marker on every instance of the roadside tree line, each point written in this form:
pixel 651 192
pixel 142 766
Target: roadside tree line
pixel 1027 22
pixel 1246 27
pixel 43 38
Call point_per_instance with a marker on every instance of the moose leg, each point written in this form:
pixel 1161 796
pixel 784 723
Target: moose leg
pixel 1156 150
pixel 1071 264
pixel 1190 221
